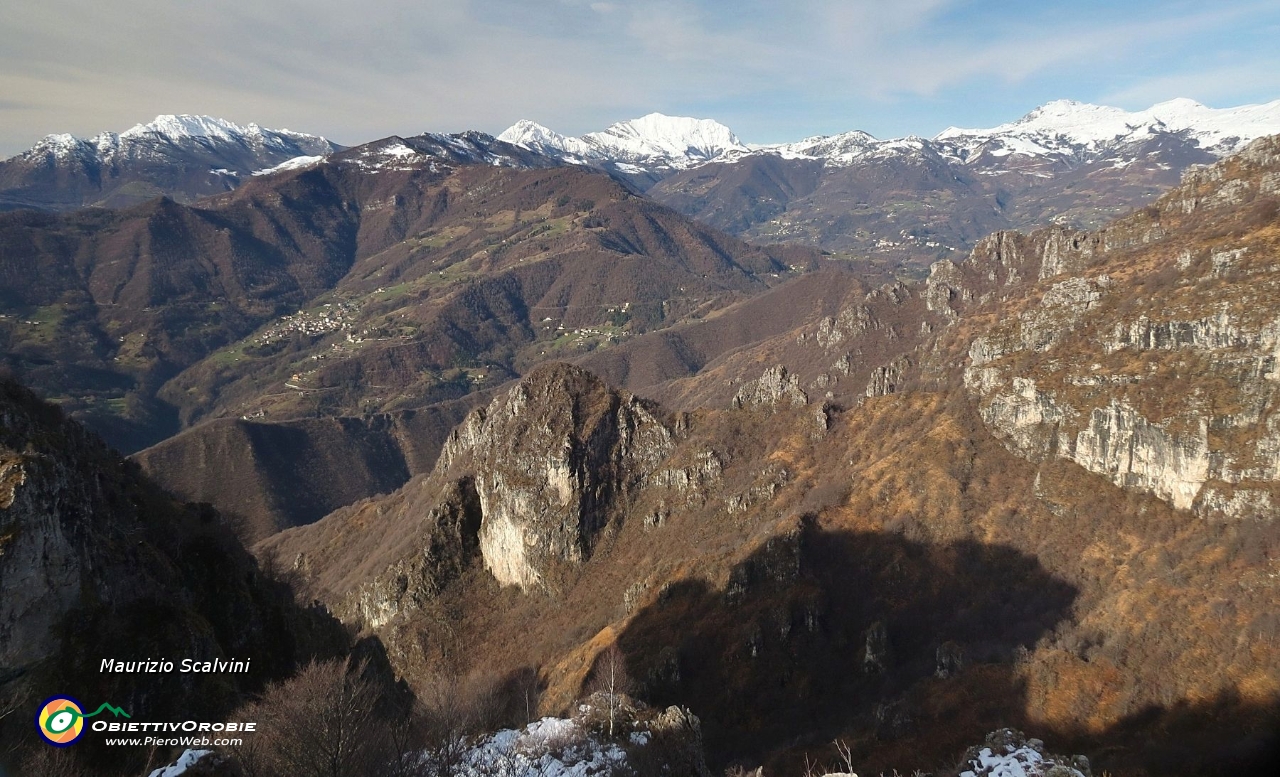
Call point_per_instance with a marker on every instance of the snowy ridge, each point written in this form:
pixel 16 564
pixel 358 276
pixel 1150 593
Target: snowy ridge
pixel 61 146
pixel 181 131
pixel 296 163
pixel 652 140
pixel 535 137
pixel 1059 129
pixel 174 128
pixel 843 148
pixel 1066 126
pixel 675 138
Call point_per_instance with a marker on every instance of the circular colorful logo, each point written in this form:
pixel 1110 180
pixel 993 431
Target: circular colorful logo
pixel 60 721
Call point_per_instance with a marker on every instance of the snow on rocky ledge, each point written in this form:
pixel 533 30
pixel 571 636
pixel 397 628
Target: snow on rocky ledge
pixel 551 747
pixel 297 163
pixel 188 759
pixel 1009 753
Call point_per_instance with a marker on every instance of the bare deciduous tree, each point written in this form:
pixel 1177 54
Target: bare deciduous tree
pixel 455 710
pixel 321 723
pixel 609 677
pixel 448 722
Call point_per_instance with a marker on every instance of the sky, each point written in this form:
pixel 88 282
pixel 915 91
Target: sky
pixel 772 71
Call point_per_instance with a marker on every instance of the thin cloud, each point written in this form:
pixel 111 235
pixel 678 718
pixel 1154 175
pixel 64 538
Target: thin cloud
pixel 361 70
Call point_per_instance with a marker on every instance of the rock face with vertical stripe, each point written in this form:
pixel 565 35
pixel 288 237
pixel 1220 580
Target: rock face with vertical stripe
pixel 554 459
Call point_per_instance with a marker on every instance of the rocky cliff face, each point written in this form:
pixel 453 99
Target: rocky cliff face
pixel 1147 352
pixel 97 563
pixel 553 459
pixel 775 387
pixel 69 509
pixel 524 487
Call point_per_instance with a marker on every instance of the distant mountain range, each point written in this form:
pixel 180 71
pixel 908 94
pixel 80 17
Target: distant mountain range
pixel 491 410
pixel 1062 131
pixel 182 157
pixel 910 201
pixel 901 202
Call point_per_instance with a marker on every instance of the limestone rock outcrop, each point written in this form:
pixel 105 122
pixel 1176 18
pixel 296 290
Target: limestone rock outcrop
pixel 775 388
pixel 1159 374
pixel 552 459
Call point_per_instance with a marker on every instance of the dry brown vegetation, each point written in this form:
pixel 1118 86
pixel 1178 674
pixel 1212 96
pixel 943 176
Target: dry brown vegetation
pixel 1098 617
pixel 758 621
pixel 794 573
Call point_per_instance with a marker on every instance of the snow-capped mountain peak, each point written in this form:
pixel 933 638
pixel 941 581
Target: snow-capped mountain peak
pixel 1068 127
pixel 176 130
pixel 674 137
pixel 61 145
pixel 1179 104
pixel 840 149
pixel 181 156
pixel 655 139
pixel 531 133
pixel 177 127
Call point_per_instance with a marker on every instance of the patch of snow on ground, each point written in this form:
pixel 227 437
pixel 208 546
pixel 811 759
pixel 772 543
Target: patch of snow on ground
pixel 395 156
pixel 1020 762
pixel 297 163
pixel 551 747
pixel 188 759
pixel 397 150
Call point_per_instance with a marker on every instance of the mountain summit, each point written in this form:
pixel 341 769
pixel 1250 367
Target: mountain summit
pixel 184 129
pixel 1073 127
pixel 181 156
pixel 1053 129
pixel 655 140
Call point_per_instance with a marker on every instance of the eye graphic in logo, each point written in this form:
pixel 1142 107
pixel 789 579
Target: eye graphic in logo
pixel 61 719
